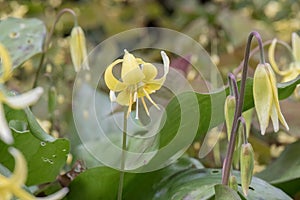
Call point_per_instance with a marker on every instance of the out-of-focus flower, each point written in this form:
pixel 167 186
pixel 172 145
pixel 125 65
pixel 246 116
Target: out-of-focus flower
pixel 12 186
pixel 18 101
pixel 138 81
pixel 78 49
pixel 294 67
pixel 266 98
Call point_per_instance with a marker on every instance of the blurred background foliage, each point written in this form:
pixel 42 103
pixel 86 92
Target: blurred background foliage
pixel 220 26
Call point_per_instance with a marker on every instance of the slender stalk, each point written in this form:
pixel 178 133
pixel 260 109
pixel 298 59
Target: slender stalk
pixel 48 39
pixel 228 160
pixel 240 67
pixel 233 87
pixel 122 173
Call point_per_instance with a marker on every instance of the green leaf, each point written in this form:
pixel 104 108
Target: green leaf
pixel 180 180
pixel 102 182
pixel 44 159
pixel 223 192
pixel 23 38
pixel 285 168
pixel 45 155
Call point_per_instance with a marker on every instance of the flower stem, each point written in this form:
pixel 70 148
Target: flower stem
pixel 239 68
pixel 48 39
pixel 122 173
pixel 236 122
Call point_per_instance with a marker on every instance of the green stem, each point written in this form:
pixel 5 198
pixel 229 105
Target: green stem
pixel 238 113
pixel 122 173
pixel 48 39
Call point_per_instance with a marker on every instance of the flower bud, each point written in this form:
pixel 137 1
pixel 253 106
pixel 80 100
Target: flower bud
pixel 229 110
pixel 78 48
pixel 265 96
pixel 247 165
pixel 233 183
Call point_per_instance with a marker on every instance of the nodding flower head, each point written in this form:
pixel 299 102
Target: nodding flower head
pixel 266 98
pixel 138 80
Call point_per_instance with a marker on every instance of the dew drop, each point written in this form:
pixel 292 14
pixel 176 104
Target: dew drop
pixel 14 35
pixel 43 144
pixel 64 150
pixel 53 156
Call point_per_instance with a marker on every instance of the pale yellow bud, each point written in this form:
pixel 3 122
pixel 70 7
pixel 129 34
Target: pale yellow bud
pixel 265 96
pixel 78 48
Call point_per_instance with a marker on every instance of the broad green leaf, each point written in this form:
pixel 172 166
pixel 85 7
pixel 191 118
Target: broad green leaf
pixel 290 187
pixel 285 168
pixel 200 183
pixel 44 154
pixel 102 182
pixel 174 182
pixel 44 159
pixel 223 192
pixel 22 37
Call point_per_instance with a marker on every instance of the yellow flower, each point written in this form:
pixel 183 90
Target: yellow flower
pixel 17 102
pixel 138 81
pixel 266 98
pixel 294 68
pixel 12 186
pixel 78 48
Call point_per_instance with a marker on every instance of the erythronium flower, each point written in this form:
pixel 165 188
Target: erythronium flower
pixel 138 81
pixel 78 48
pixel 12 186
pixel 266 98
pixel 17 102
pixel 294 68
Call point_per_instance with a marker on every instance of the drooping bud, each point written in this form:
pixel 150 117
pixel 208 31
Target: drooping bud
pixel 78 48
pixel 265 96
pixel 229 110
pixel 247 166
pixel 233 183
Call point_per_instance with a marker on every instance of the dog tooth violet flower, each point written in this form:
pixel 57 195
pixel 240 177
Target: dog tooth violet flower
pixel 78 48
pixel 137 81
pixel 17 102
pixel 294 67
pixel 266 98
pixel 12 186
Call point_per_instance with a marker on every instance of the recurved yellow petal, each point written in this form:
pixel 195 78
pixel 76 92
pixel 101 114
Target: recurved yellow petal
pixel 20 172
pixel 23 100
pixel 5 133
pixel 110 80
pixel 6 64
pixel 123 98
pixel 149 71
pixel 273 63
pixel 263 96
pixel 272 79
pixel 131 72
pixel 296 46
